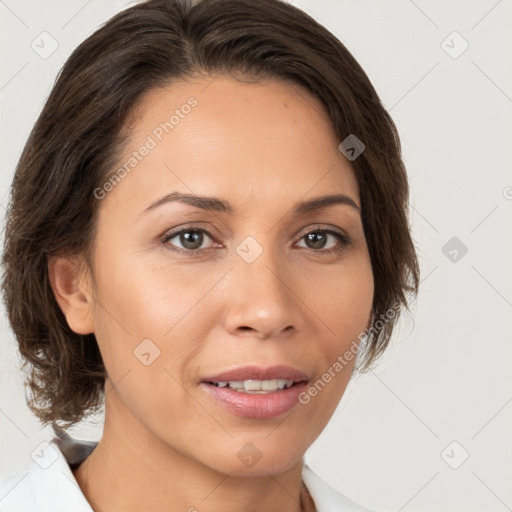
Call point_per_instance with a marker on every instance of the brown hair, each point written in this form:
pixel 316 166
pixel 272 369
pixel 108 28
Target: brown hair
pixel 77 137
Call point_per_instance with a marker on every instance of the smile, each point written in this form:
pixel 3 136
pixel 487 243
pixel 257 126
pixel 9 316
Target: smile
pixel 255 386
pixel 255 392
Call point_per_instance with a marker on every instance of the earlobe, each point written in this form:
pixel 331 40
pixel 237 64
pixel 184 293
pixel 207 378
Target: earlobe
pixel 67 281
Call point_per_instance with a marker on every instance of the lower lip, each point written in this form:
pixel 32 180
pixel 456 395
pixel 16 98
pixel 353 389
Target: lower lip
pixel 257 405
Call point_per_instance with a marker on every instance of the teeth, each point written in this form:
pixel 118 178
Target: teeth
pixel 256 386
pixel 268 385
pixel 283 383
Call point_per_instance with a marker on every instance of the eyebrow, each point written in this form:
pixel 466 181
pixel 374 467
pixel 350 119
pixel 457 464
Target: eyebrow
pixel 219 205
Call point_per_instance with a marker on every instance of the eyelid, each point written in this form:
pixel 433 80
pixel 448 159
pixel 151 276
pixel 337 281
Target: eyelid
pixel 325 228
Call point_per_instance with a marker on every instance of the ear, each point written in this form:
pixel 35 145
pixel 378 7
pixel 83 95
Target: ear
pixel 71 288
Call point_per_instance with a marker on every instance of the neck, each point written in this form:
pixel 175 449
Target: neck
pixel 132 470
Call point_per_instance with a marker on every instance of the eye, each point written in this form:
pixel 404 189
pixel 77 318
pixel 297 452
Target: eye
pixel 326 240
pixel 191 239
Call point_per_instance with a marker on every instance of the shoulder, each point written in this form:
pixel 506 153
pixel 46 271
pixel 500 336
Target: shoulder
pixel 47 485
pixel 326 498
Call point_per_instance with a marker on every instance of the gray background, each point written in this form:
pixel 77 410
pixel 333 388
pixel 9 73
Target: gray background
pixel 446 377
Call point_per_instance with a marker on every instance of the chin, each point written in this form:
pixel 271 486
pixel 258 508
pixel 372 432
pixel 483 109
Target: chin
pixel 250 461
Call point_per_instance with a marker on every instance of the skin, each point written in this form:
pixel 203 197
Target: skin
pixel 166 444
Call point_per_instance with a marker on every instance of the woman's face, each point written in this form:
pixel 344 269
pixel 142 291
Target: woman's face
pixel 255 280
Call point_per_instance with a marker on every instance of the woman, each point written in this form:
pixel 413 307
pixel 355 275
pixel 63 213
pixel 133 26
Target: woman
pixel 207 235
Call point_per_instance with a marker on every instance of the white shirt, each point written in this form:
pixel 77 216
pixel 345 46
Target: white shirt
pixel 50 486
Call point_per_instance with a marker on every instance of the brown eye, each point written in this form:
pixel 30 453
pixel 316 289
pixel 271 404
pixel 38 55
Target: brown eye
pixel 326 240
pixel 316 239
pixel 188 239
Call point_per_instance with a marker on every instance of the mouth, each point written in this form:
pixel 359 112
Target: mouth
pixel 254 379
pixel 255 392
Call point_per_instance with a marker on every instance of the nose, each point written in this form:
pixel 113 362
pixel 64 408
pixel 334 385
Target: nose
pixel 261 298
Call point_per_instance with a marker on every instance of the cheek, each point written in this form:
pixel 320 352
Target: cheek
pixel 136 297
pixel 344 305
pixel 145 324
pixel 343 299
pixel 139 299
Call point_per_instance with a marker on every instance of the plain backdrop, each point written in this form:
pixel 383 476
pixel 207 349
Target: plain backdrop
pixel 429 428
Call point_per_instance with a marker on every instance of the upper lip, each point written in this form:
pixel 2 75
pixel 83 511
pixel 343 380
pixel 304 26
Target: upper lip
pixel 254 372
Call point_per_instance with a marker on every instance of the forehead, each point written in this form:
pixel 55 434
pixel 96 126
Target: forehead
pixel 269 141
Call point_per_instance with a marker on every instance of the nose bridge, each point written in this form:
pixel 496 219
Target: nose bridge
pixel 259 265
pixel 262 299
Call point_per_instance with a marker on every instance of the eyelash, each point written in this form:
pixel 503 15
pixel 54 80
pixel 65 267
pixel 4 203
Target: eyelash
pixel 343 239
